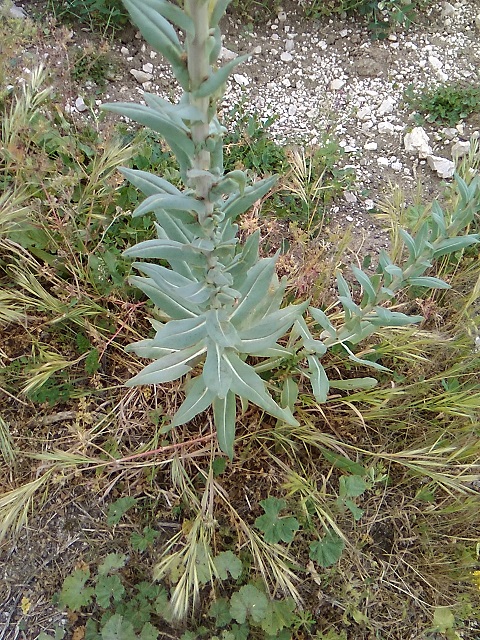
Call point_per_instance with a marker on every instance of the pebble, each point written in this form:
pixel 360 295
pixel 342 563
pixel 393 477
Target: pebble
pixel 140 76
pixel 80 104
pixel 286 56
pixel 241 79
pixel 148 67
pixel 337 84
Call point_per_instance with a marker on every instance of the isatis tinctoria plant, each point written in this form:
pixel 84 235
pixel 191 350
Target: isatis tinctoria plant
pixel 222 304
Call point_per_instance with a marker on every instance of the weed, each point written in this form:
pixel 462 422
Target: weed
pixel 94 64
pixel 446 103
pixel 99 15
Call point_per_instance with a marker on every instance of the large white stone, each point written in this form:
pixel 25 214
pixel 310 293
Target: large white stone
pixel 386 107
pixel 417 142
pixel 141 76
pixel 442 166
pixel 460 149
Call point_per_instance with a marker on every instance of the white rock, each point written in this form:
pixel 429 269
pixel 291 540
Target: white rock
pixel 80 104
pixel 460 149
pixel 286 56
pixel 17 12
pixel 369 204
pixel 450 132
pixel 386 107
pixel 148 67
pixel 226 54
pixel 448 10
pixel 382 162
pixel 417 142
pixel 124 51
pixel 435 63
pixel 350 197
pixel 397 166
pixel 257 50
pixel 344 33
pixel 460 127
pixel 477 22
pixel 140 76
pixel 370 146
pixel 292 110
pixel 337 84
pixel 442 166
pixel 282 16
pixel 240 79
pixel 289 45
pixel 364 113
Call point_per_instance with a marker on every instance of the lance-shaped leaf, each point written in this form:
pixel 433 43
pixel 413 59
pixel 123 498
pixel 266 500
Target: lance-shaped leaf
pixel 368 363
pixel 354 383
pixel 220 329
pixel 160 34
pixel 255 291
pixel 172 203
pixel 265 334
pixel 173 13
pixel 319 316
pixel 197 400
pixel 246 257
pixel 171 226
pixel 427 281
pixel 177 309
pixel 146 349
pixel 218 78
pixel 318 379
pixel 409 243
pixel 181 145
pixel 238 204
pixel 310 344
pixel 180 334
pixel 176 112
pixel 162 276
pixel 289 394
pixel 247 384
pixel 366 284
pixel 454 244
pixel 219 8
pixel 216 372
pixel 385 317
pixel 169 250
pixel 197 292
pixel 170 367
pixel 224 416
pixel 149 183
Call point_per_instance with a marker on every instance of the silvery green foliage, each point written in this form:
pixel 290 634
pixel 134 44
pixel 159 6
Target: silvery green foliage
pixel 221 302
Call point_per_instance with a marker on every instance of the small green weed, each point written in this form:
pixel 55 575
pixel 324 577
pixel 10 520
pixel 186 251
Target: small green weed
pixel 99 15
pixel 92 64
pixel 446 103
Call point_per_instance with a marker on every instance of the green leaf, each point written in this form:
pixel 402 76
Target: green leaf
pixel 356 512
pixel 327 552
pixel 443 619
pixel 220 610
pixel 224 415
pixel 218 78
pixel 318 379
pixel 220 329
pixel 141 541
pixel 180 334
pixel 238 204
pixel 108 588
pixel 247 384
pixel 168 368
pixel 387 318
pixel 113 561
pixel 354 383
pixel 352 486
pixel 149 183
pixel 454 244
pixel 289 394
pixel 280 614
pixel 276 528
pixel 264 335
pixel 118 508
pixel 427 281
pixel 168 303
pixel 319 316
pixel 255 290
pixel 149 632
pixel 216 372
pixel 248 601
pixel 366 284
pixel 341 462
pixel 118 629
pixel 198 399
pixel 228 563
pixel 74 593
pixel 170 202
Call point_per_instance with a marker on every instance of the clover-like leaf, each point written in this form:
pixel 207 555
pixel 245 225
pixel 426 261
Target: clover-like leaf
pixel 74 593
pixel 276 528
pixel 248 601
pixel 228 563
pixel 108 588
pixel 328 550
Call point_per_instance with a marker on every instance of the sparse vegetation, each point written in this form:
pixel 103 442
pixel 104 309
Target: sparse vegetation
pixel 445 103
pixel 360 521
